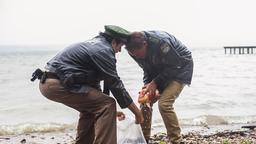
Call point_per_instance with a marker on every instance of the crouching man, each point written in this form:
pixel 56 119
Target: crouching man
pixel 73 78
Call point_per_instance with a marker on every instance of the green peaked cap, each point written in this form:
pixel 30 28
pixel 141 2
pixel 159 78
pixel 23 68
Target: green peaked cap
pixel 117 32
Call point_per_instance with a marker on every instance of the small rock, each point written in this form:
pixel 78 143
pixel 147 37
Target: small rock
pixel 23 141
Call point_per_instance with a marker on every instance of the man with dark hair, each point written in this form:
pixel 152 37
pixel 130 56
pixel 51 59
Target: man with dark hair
pixel 167 66
pixel 73 78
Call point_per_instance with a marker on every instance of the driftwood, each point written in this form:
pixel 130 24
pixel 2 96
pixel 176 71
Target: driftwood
pixel 251 127
pixel 4 138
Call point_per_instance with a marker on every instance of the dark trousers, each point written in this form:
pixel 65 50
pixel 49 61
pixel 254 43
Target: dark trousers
pixel 97 122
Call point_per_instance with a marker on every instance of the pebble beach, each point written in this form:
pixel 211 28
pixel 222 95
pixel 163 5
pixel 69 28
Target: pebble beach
pixel 192 135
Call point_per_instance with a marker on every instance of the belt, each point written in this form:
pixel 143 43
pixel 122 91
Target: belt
pixel 51 75
pixel 47 75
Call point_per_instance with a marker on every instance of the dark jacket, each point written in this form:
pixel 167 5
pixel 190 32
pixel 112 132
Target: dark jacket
pixel 167 59
pixel 85 64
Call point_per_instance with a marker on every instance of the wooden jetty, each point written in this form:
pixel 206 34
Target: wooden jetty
pixel 239 49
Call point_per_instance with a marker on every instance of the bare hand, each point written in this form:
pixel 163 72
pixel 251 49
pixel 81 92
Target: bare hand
pixel 120 115
pixel 150 88
pixel 155 98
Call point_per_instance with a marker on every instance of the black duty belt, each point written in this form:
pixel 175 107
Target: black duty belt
pixel 47 75
pixel 51 75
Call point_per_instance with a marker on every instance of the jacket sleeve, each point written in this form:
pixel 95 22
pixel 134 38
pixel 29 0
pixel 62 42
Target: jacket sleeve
pixel 106 64
pixel 166 75
pixel 146 77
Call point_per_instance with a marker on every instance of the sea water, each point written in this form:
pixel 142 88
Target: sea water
pixel 223 91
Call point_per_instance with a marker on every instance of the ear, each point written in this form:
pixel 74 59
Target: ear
pixel 113 43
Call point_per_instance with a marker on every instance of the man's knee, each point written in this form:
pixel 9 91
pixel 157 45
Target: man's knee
pixel 165 105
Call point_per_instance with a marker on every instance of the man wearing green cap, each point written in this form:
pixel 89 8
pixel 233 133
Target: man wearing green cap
pixel 73 78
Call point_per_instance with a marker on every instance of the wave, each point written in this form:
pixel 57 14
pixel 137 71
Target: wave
pixel 33 127
pixel 205 120
pixel 218 120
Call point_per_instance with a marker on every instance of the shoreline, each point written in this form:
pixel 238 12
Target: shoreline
pixel 225 134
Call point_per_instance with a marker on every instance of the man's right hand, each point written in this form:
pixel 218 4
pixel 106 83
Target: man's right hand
pixel 150 89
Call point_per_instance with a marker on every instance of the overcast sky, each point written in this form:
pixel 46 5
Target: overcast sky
pixel 197 23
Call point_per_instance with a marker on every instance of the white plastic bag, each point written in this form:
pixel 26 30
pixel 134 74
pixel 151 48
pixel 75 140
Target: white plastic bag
pixel 129 133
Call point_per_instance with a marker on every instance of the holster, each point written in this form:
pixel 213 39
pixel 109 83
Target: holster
pixel 43 75
pixel 37 74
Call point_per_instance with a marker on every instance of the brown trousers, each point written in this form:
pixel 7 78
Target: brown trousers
pixel 165 105
pixel 97 122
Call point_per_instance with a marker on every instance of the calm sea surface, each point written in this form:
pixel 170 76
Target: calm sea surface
pixel 223 91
